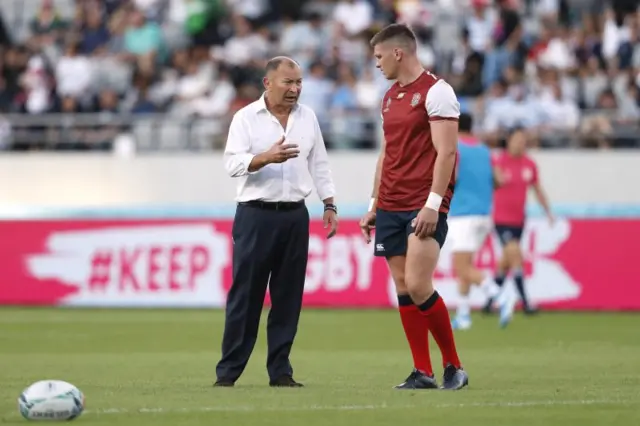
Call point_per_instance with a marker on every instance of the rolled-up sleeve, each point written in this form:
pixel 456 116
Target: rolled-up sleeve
pixel 319 167
pixel 237 155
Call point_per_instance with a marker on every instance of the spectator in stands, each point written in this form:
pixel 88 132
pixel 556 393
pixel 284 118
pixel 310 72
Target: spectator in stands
pixel 93 32
pixel 384 13
pixel 354 16
pixel 514 109
pixel 47 27
pixel 479 26
pixel 143 38
pixel 304 40
pixel 347 129
pixel 36 83
pixel 245 52
pixel 317 93
pixel 596 128
pixel 205 57
pixel 560 117
pixel 74 73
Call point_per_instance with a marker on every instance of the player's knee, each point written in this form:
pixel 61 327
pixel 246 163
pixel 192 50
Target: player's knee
pixel 401 286
pixel 421 293
pixel 513 254
pixel 462 267
pixel 419 288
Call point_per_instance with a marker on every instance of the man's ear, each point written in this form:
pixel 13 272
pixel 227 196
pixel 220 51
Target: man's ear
pixel 265 82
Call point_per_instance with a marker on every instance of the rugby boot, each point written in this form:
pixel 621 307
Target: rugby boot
pixel 454 378
pixel 418 380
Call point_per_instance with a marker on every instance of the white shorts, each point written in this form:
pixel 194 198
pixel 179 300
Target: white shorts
pixel 468 233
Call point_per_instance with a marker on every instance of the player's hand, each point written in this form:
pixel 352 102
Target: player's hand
pixel 367 224
pixel 281 152
pixel 552 220
pixel 424 225
pixel 330 219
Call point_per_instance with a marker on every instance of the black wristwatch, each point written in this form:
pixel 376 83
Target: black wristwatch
pixel 331 207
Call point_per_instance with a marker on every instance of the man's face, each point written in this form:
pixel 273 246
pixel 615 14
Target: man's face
pixel 284 85
pixel 517 143
pixel 387 59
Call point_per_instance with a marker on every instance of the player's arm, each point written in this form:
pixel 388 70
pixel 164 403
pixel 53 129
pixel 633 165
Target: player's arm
pixel 376 179
pixel 444 110
pixel 540 194
pixel 542 198
pixel 498 178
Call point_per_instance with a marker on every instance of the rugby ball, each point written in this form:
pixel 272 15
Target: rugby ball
pixel 51 400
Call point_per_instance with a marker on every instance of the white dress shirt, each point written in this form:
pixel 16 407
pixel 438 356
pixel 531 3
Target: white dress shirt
pixel 253 131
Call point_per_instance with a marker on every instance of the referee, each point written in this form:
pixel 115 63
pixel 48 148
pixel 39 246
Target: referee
pixel 276 151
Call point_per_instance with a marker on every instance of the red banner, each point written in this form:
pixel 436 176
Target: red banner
pixel 574 264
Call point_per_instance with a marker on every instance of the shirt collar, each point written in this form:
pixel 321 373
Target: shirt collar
pixel 261 105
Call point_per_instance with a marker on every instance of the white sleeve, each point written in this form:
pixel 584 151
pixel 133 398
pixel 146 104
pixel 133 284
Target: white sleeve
pixel 319 164
pixel 237 155
pixel 441 102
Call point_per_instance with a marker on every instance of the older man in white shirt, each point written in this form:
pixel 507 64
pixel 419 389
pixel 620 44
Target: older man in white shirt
pixel 276 152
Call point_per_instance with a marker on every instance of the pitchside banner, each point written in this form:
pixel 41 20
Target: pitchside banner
pixel 574 264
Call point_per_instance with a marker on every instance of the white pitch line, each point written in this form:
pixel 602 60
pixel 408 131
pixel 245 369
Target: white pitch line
pixel 249 409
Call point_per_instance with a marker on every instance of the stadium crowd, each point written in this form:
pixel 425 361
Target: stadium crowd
pixel 566 70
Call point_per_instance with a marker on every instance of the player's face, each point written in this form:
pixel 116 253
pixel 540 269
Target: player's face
pixel 517 143
pixel 284 85
pixel 386 60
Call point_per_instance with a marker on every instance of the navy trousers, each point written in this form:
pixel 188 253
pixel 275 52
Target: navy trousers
pixel 270 247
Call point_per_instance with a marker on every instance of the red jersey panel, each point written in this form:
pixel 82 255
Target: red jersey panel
pixel 407 169
pixel 511 198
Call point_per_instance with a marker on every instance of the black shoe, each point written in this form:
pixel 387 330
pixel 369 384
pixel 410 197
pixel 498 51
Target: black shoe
pixel 528 310
pixel 224 383
pixel 285 382
pixel 454 378
pixel 418 380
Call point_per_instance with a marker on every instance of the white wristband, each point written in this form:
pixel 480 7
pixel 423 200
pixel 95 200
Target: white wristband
pixel 371 203
pixel 434 201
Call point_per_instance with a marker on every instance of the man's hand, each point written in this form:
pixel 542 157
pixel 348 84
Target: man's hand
pixel 425 223
pixel 281 152
pixel 330 219
pixel 367 223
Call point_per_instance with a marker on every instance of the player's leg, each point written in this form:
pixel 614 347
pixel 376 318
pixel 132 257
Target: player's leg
pixel 502 267
pixel 461 264
pixel 467 235
pixel 513 252
pixel 459 241
pixel 422 258
pixel 391 242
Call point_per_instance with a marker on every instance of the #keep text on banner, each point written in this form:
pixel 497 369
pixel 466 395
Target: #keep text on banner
pixel 574 264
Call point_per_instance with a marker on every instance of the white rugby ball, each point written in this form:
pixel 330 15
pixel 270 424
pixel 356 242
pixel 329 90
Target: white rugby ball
pixel 51 400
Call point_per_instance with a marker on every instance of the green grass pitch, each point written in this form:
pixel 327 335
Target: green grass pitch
pixel 156 367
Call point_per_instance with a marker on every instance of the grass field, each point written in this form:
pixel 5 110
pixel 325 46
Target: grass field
pixel 156 367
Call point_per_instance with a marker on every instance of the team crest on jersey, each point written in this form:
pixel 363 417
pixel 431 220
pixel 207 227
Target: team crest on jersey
pixel 527 174
pixel 415 99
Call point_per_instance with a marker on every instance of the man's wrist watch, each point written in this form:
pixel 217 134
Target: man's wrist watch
pixel 331 207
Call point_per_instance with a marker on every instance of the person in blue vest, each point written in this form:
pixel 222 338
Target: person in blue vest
pixel 470 223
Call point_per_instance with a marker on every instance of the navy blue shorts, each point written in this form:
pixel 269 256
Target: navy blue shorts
pixel 508 233
pixel 393 230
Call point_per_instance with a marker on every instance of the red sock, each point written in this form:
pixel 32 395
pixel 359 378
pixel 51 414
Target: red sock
pixel 417 332
pixel 439 323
